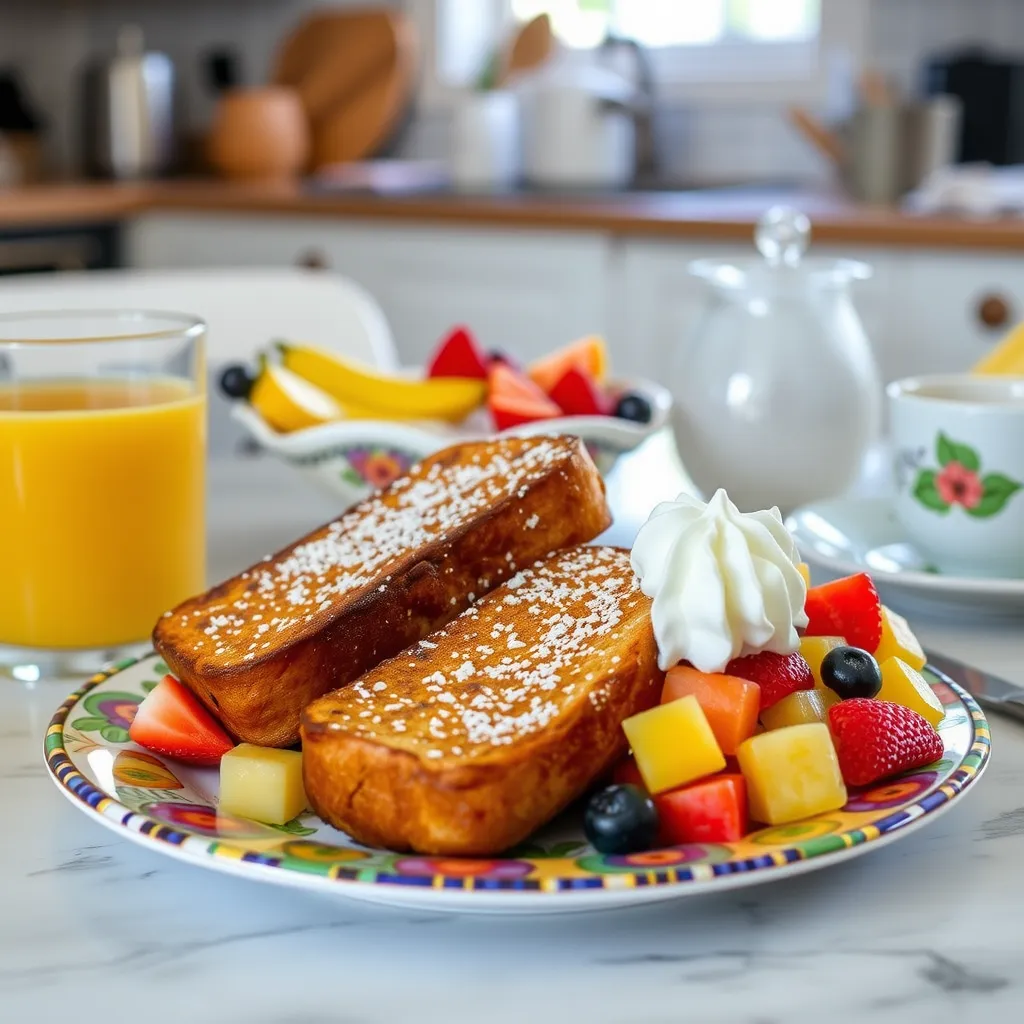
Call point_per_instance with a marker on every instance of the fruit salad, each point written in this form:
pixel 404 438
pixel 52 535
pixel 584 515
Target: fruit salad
pixel 303 386
pixel 778 698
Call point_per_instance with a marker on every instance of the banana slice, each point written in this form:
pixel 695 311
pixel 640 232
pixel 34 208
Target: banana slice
pixel 287 402
pixel 384 395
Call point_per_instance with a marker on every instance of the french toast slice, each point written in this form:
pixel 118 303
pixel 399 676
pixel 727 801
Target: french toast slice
pixel 469 741
pixel 259 647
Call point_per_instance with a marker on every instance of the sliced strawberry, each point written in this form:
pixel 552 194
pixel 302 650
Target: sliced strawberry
pixel 876 738
pixel 778 675
pixel 458 355
pixel 515 399
pixel 171 721
pixel 578 394
pixel 848 608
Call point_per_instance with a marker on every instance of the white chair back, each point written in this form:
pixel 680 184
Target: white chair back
pixel 244 309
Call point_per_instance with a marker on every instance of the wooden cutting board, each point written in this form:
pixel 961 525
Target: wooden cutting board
pixel 355 72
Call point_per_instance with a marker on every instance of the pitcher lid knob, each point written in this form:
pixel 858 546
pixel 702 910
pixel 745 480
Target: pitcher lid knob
pixel 782 236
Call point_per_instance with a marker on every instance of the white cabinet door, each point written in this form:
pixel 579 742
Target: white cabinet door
pixel 524 292
pixel 960 304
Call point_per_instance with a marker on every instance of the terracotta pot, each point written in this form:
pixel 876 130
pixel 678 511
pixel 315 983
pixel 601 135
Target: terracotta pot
pixel 259 134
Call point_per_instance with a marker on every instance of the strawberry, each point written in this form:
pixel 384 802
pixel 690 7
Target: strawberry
pixel 876 738
pixel 778 675
pixel 514 399
pixel 849 608
pixel 578 394
pixel 171 721
pixel 458 355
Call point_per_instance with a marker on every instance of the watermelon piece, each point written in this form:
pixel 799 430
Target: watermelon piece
pixel 514 399
pixel 458 355
pixel 577 394
pixel 710 811
pixel 588 355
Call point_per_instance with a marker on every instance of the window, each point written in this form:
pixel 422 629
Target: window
pixel 661 23
pixel 748 51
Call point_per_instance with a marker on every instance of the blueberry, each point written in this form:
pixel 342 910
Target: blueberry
pixel 236 381
pixel 497 356
pixel 621 819
pixel 851 672
pixel 632 406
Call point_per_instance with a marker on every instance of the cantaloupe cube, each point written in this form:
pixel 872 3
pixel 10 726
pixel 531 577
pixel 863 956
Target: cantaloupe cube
pixel 903 684
pixel 730 704
pixel 673 744
pixel 262 783
pixel 898 641
pixel 791 773
pixel 799 708
pixel 814 649
pixel 805 570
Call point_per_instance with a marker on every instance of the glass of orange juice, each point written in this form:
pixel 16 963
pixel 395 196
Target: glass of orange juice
pixel 102 483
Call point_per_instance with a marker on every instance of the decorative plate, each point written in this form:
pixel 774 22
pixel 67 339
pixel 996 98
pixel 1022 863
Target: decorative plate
pixel 848 535
pixel 354 457
pixel 173 809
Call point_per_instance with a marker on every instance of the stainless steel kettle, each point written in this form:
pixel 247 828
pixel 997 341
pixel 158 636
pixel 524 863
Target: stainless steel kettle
pixel 128 118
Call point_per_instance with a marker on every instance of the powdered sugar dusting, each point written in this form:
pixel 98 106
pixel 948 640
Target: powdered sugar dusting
pixel 294 594
pixel 515 685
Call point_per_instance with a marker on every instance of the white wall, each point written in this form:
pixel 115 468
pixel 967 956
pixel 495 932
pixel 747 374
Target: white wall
pixel 49 39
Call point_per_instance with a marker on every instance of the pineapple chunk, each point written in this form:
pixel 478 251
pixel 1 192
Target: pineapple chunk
pixel 673 744
pixel 262 783
pixel 814 649
pixel 903 684
pixel 898 641
pixel 805 570
pixel 791 773
pixel 799 708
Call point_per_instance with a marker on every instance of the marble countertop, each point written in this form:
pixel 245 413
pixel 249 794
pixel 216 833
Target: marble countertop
pixel 93 928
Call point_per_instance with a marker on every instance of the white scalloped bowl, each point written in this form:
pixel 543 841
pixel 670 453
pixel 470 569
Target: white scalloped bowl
pixel 351 458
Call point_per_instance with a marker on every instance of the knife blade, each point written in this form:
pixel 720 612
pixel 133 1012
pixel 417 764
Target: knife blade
pixel 988 690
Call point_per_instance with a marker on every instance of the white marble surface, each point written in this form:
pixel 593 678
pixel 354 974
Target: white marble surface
pixel 95 929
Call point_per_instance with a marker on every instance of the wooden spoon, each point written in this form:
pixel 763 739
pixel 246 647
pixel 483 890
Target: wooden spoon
pixel 530 47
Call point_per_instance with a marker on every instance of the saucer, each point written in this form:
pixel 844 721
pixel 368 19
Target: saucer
pixel 848 535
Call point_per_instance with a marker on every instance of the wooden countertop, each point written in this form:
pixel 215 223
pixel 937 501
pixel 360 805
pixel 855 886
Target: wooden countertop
pixel 722 215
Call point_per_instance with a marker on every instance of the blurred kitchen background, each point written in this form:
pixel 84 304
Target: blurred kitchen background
pixel 538 179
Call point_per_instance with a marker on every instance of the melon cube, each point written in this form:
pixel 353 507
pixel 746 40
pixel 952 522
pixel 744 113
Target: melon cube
pixel 673 744
pixel 903 684
pixel 814 649
pixel 262 783
pixel 730 704
pixel 792 773
pixel 710 811
pixel 898 641
pixel 799 708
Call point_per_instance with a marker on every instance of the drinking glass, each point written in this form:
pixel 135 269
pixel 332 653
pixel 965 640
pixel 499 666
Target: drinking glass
pixel 102 483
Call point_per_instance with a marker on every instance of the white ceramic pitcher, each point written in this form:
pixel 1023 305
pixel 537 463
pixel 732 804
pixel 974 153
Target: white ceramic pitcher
pixel 778 397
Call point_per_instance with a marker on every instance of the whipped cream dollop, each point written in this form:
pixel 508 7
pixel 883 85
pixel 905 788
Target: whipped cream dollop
pixel 724 583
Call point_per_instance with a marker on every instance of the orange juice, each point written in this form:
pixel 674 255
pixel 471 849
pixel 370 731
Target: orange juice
pixel 101 509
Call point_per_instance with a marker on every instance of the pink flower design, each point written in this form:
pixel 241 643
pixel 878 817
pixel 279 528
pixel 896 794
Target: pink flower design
pixel 959 485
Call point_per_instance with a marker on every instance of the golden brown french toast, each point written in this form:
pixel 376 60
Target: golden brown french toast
pixel 258 648
pixel 472 739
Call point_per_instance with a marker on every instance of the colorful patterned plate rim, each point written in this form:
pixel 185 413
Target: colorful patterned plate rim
pixel 172 808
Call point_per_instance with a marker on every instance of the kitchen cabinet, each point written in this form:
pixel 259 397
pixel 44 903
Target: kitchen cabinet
pixel 527 291
pixel 658 302
pixel 523 291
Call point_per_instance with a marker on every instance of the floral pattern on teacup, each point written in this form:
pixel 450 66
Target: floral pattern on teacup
pixel 959 481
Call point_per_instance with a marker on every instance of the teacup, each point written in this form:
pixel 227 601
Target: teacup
pixel 958 444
